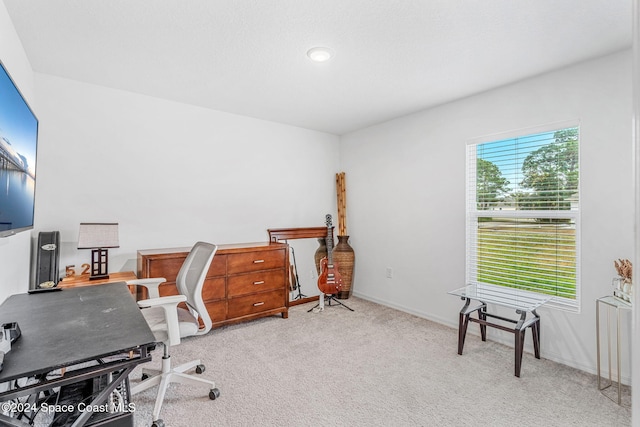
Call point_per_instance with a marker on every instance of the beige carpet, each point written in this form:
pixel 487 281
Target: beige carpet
pixel 372 367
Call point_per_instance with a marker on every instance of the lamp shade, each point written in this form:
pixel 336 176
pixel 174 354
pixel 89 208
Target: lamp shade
pixel 98 235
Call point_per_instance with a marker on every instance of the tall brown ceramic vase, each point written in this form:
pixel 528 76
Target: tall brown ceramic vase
pixel 344 256
pixel 321 252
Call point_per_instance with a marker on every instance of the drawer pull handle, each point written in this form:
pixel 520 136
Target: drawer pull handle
pixel 261 282
pixel 257 304
pixel 258 261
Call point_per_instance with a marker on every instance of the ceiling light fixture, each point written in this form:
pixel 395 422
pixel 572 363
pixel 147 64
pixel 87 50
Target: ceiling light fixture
pixel 320 54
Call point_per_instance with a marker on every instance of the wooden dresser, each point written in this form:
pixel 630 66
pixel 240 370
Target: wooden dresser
pixel 245 281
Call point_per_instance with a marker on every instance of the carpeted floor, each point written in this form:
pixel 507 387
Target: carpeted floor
pixel 373 367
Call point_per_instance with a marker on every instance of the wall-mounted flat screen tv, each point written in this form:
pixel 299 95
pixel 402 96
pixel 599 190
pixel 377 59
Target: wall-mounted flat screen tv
pixel 18 144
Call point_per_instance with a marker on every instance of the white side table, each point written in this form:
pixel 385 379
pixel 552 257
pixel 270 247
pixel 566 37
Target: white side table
pixel 616 305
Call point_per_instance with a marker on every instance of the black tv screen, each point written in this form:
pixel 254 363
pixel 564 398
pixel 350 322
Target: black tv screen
pixel 18 144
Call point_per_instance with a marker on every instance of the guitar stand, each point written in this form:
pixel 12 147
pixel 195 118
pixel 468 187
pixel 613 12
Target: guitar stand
pixel 295 269
pixel 300 294
pixel 330 298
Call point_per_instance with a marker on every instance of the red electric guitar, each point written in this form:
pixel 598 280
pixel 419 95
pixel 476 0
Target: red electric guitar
pixel 329 281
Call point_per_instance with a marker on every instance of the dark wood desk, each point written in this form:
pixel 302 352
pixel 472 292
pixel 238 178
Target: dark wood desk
pixel 70 336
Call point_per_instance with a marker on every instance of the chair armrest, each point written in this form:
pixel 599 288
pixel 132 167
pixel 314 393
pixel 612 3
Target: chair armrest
pixel 169 306
pixel 172 300
pixel 151 284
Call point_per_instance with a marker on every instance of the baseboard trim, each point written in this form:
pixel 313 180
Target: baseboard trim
pixel 303 300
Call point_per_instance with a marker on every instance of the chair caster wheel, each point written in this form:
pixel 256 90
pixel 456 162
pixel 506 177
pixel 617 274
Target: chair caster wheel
pixel 158 423
pixel 200 369
pixel 214 393
pixel 144 377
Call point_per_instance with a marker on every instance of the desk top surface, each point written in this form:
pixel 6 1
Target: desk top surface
pixel 501 295
pixel 71 326
pixel 84 279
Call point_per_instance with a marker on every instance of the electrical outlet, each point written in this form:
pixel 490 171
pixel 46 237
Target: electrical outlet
pixel 389 273
pixel 312 274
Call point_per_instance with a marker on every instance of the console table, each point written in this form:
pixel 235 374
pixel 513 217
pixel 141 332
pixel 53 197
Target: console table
pixel 522 302
pixel 617 305
pixel 245 281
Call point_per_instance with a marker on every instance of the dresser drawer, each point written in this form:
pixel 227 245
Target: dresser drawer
pixel 169 268
pixel 213 289
pixel 166 289
pixel 218 266
pixel 254 261
pixel 259 281
pixel 250 304
pixel 217 311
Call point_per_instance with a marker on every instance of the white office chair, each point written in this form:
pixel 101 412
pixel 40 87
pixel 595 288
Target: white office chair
pixel 169 323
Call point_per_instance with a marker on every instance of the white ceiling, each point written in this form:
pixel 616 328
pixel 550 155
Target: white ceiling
pixel 392 57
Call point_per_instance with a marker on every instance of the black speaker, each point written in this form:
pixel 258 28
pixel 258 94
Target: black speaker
pixel 48 258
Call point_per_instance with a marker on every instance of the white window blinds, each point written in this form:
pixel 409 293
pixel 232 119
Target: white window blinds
pixel 523 214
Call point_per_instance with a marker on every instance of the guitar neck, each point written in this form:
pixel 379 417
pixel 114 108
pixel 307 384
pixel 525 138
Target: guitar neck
pixel 329 246
pixel 329 240
pixel 329 282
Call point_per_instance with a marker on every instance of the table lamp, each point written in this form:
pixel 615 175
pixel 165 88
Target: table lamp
pixel 98 237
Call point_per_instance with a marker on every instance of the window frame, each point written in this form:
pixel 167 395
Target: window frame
pixel 473 213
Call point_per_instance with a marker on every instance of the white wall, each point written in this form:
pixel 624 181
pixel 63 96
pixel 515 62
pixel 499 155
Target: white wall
pixel 15 250
pixel 636 145
pixel 171 174
pixel 406 192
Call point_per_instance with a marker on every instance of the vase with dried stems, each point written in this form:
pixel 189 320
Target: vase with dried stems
pixel 343 252
pixel 345 257
pixel 622 284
